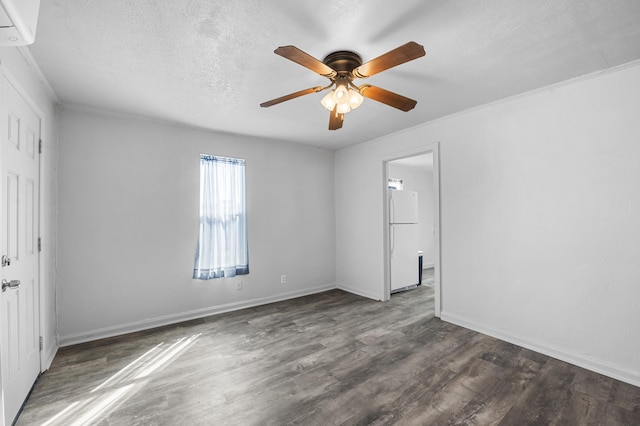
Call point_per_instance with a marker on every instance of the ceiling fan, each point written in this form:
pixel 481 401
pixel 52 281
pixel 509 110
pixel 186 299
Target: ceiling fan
pixel 341 68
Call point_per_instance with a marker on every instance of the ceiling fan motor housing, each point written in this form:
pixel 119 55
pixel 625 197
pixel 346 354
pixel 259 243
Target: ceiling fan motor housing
pixel 343 61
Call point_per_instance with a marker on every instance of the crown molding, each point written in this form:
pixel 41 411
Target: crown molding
pixel 30 60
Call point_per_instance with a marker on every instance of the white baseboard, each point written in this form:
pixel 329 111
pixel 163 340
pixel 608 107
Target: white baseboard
pixel 47 359
pixel 87 336
pixel 557 353
pixel 357 291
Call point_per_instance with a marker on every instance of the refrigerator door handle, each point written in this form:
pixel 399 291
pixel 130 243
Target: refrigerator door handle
pixel 392 210
pixel 392 239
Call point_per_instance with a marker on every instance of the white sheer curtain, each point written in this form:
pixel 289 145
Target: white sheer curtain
pixel 222 246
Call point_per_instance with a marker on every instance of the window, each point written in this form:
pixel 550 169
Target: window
pixel 395 183
pixel 222 245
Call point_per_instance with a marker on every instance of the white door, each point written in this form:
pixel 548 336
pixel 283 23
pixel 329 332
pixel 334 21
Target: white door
pixel 19 307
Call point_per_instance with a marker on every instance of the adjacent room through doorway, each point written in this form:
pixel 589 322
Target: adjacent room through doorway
pixel 412 213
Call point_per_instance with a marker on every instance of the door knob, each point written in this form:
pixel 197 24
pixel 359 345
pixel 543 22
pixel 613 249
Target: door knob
pixel 13 284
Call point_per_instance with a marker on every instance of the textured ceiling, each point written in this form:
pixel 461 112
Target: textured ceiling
pixel 210 63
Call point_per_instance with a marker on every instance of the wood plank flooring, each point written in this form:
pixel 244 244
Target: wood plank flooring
pixel 327 359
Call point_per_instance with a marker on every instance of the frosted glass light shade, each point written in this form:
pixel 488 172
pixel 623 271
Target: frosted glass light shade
pixel 328 102
pixel 345 98
pixel 341 94
pixel 343 108
pixel 355 99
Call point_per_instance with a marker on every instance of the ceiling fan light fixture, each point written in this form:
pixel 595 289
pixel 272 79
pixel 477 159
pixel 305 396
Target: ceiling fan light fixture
pixel 355 99
pixel 343 108
pixel 328 102
pixel 343 97
pixel 341 94
pixel 341 68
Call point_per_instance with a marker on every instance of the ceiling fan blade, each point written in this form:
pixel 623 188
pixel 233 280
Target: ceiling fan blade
pixel 387 97
pixel 399 55
pixel 291 96
pixel 335 119
pixel 298 56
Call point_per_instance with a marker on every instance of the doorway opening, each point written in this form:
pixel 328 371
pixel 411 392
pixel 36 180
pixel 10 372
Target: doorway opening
pixel 20 356
pixel 412 227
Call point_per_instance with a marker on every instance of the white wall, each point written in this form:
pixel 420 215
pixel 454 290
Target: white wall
pixel 128 227
pixel 39 96
pixel 420 181
pixel 540 200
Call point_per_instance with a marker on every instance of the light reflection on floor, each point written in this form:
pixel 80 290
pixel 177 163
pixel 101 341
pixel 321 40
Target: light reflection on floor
pixel 105 397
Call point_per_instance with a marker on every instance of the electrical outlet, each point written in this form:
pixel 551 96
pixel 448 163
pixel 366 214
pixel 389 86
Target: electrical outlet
pixel 238 285
pixel 283 279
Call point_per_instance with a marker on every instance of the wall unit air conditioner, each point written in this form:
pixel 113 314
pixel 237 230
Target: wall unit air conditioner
pixel 18 20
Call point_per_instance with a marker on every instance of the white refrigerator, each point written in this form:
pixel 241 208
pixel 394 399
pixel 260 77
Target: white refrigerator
pixel 403 238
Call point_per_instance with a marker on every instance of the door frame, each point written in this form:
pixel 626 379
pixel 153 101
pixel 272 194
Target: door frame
pixel 428 149
pixel 11 79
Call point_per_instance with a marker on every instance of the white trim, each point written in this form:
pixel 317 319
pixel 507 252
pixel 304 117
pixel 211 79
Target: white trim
pixel 132 116
pixel 357 291
pixel 437 263
pixel 101 333
pixel 30 60
pixel 2 154
pixel 19 88
pixel 17 85
pixel 433 148
pixel 47 358
pixel 550 87
pixel 386 242
pixel 572 358
pixel 6 73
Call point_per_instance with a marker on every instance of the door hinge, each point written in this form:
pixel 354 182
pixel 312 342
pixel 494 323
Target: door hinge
pixel 39 244
pixel 41 342
pixel 40 146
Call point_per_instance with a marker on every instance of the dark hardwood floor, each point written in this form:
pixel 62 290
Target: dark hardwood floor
pixel 330 358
